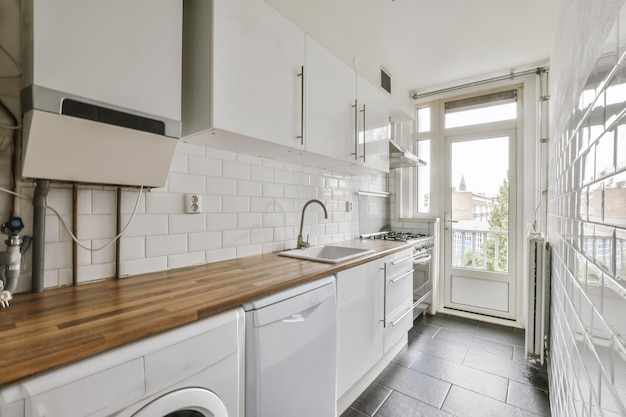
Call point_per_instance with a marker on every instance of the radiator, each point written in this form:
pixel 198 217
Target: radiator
pixel 538 323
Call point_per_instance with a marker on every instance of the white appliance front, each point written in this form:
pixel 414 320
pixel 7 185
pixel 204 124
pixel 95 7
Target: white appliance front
pixel 204 403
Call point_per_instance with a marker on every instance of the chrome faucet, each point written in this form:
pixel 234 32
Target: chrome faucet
pixel 301 242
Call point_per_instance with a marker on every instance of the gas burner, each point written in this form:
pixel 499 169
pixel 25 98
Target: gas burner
pixel 397 236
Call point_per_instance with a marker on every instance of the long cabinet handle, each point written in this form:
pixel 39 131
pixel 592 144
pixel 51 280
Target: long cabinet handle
pixel 356 130
pixel 399 261
pixel 364 129
pixel 393 281
pixel 408 310
pixel 301 75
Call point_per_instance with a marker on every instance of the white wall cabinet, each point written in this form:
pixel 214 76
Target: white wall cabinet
pixel 374 128
pixel 249 73
pixel 330 97
pixel 370 314
pixel 240 71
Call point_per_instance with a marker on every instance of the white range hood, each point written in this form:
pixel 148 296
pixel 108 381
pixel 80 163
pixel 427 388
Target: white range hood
pixel 101 90
pixel 400 157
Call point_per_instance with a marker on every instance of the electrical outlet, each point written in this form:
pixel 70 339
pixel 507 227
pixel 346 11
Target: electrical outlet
pixel 193 203
pixel 348 206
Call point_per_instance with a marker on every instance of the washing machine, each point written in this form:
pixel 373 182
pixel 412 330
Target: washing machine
pixel 193 371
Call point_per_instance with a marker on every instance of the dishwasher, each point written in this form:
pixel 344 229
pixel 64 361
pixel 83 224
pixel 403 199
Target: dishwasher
pixel 291 352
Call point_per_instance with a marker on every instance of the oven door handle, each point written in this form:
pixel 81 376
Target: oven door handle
pixel 424 260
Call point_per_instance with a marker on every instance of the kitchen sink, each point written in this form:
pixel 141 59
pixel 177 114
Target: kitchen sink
pixel 326 253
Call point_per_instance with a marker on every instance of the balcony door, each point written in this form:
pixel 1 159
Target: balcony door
pixel 480 217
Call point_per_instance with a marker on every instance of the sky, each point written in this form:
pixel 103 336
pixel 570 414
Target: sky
pixel 483 163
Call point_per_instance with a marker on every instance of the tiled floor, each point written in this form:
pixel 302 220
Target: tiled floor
pixel 457 367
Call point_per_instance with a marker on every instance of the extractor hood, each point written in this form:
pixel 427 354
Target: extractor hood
pixel 400 157
pixel 101 90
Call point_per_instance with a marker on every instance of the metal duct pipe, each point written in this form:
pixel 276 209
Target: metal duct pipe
pixel 39 234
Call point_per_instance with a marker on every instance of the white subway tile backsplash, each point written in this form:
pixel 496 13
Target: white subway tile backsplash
pixel 221 186
pixel 251 250
pixel 221 154
pixel 262 204
pixel 146 225
pixel 273 190
pixel 96 272
pixel 235 238
pixel 58 255
pixel 143 266
pixel 249 188
pixel 224 221
pixel 83 202
pixel 234 169
pixel 186 259
pixel 217 255
pixel 180 163
pixel 283 176
pixel 249 159
pixel 159 203
pixel 249 220
pixel 132 248
pixel 165 245
pixel 236 204
pixel 272 247
pixel 199 165
pixel 186 183
pixel 186 223
pixel 262 173
pixel 96 226
pixel 205 241
pixel 273 219
pixel 261 236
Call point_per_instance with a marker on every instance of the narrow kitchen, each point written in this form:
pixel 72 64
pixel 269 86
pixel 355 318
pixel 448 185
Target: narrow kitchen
pixel 255 208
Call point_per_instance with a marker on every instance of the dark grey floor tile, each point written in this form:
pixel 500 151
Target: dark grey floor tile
pixel 449 322
pixel 371 399
pixel 438 348
pixel 519 354
pixel 400 405
pixel 523 372
pixel 474 343
pixel 504 334
pixel 351 412
pixel 423 329
pixel 406 357
pixel 464 376
pixel 414 384
pixel 465 403
pixel 529 398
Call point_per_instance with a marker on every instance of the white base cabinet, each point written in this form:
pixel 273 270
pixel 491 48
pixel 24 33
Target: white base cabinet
pixel 370 316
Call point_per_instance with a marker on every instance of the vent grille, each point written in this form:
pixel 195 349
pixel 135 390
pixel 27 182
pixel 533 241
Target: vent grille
pixel 385 80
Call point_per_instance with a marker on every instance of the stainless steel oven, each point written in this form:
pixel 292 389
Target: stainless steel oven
pixel 422 275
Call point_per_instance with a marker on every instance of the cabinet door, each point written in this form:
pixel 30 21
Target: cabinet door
pixel 360 330
pixel 257 56
pixel 374 128
pixel 330 94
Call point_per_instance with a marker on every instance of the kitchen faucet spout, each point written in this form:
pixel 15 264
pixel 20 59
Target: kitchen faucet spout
pixel 301 242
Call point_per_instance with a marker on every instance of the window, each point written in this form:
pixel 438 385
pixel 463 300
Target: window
pixel 423 151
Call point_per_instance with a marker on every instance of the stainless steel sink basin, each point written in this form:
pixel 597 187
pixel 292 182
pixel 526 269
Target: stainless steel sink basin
pixel 326 253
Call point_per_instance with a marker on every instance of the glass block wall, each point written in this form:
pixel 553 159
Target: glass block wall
pixel 587 229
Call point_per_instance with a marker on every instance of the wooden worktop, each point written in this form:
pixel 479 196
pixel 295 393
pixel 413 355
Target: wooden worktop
pixel 40 332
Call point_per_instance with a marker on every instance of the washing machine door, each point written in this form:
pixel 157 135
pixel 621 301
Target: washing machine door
pixel 188 402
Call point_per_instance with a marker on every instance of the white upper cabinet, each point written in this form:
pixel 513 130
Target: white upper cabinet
pixel 330 98
pixel 241 66
pixel 374 107
pixel 253 80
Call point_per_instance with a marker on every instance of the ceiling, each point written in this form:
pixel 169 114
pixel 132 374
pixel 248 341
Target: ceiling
pixel 429 43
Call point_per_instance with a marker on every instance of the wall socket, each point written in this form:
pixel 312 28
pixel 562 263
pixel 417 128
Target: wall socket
pixel 348 206
pixel 193 203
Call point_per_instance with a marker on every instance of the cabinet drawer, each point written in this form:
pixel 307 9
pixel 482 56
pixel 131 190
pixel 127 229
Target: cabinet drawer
pixel 399 323
pixel 397 290
pixel 399 265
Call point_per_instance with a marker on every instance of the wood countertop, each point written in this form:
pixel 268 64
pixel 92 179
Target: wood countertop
pixel 40 332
